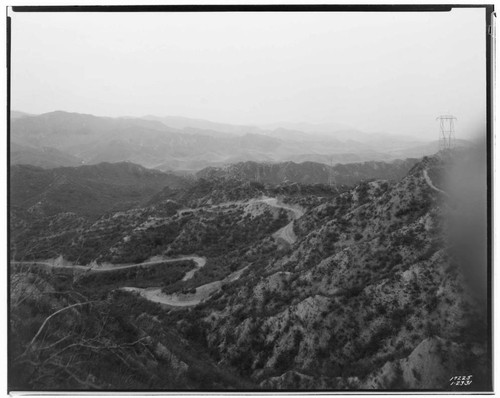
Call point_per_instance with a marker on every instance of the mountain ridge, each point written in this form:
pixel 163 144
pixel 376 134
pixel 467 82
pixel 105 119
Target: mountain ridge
pixel 311 172
pixel 153 144
pixel 102 187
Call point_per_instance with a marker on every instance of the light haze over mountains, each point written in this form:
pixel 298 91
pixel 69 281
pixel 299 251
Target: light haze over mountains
pixel 189 145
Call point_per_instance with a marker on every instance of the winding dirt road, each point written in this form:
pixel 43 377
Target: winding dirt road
pixel 297 211
pixel 155 294
pixel 286 233
pixel 200 262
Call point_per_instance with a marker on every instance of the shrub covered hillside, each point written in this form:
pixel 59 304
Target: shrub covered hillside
pixel 296 287
pixel 368 298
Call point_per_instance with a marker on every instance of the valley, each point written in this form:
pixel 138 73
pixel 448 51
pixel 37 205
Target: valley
pixel 225 282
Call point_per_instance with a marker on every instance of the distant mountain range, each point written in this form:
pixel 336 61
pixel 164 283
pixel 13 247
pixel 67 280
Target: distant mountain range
pixel 180 144
pixel 45 157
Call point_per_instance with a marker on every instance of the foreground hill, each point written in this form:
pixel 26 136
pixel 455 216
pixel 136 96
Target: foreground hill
pixel 368 297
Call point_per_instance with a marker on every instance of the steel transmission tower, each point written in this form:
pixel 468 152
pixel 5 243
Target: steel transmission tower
pixel 446 131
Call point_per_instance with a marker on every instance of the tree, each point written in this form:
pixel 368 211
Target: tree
pixel 59 348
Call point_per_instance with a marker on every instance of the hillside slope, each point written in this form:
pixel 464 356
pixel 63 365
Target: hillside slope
pixel 304 286
pixel 367 290
pixel 86 190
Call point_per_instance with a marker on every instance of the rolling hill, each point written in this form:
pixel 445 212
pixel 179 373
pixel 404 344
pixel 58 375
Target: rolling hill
pixel 86 190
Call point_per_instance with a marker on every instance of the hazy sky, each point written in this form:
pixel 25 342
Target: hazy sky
pixel 391 72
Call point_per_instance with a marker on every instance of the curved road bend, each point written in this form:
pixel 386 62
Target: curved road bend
pixel 202 293
pixel 286 233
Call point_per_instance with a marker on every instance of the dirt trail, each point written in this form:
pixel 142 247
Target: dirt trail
pixel 297 211
pixel 431 185
pixel 200 262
